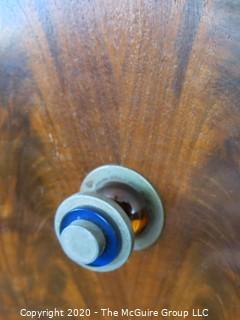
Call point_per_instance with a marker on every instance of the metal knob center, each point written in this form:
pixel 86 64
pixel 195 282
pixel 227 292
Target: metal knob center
pixel 83 241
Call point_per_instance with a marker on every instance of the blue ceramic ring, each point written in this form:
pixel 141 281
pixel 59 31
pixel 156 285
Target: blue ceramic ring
pixel 113 243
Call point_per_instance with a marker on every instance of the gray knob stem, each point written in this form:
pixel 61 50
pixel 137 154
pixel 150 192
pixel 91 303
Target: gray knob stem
pixel 82 241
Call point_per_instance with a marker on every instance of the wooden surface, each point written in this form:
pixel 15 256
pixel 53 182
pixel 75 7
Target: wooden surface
pixel 153 85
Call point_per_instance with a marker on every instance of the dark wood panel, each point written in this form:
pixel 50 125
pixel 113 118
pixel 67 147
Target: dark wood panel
pixel 153 85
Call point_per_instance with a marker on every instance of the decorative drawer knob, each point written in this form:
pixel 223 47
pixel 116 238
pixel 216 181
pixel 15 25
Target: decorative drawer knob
pixel 116 211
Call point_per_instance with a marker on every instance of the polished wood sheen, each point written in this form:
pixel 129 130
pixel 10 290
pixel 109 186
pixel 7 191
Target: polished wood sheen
pixel 152 85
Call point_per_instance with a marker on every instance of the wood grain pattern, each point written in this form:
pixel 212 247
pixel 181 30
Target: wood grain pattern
pixel 153 85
